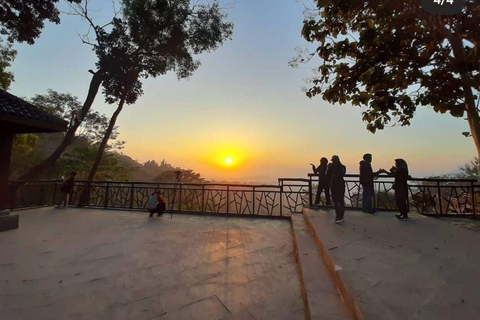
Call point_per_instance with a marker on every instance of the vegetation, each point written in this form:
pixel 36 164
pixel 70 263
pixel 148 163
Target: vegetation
pixel 388 57
pixel 31 149
pixel 7 56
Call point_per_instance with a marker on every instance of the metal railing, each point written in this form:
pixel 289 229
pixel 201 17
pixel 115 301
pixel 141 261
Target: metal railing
pixel 230 199
pixel 440 197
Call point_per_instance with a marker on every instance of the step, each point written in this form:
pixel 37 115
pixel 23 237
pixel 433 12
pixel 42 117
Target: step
pixel 322 300
pixel 9 222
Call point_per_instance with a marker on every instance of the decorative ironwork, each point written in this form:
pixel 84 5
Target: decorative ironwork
pixel 426 196
pixel 459 197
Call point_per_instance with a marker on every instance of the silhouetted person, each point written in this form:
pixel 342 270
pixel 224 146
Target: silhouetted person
pixel 400 172
pixel 323 185
pixel 335 173
pixel 156 204
pixel 66 190
pixel 366 180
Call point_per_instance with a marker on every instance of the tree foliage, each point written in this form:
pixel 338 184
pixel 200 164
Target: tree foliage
pixel 81 159
pixel 23 20
pixel 389 57
pixel 152 38
pixel 469 170
pixel 7 56
pixel 67 106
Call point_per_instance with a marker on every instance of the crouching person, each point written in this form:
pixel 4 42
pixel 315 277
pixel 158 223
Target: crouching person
pixel 155 204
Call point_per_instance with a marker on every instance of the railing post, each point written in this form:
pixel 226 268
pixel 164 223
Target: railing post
pixel 203 198
pixel 180 198
pixel 54 192
pixel 228 199
pixel 40 202
pixel 253 202
pixel 12 196
pixel 281 200
pixel 310 195
pixel 473 199
pixel 131 195
pixel 439 190
pixel 106 195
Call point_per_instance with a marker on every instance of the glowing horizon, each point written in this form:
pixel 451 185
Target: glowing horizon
pixel 244 102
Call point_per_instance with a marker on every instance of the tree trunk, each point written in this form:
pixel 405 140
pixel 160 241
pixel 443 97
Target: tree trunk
pixel 37 170
pixel 101 149
pixel 473 118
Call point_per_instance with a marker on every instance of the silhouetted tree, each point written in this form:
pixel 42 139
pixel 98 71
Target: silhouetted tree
pixel 389 57
pixel 23 20
pixel 66 106
pixel 152 38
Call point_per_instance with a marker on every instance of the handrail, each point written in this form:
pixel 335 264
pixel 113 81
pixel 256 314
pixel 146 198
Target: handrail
pixel 355 175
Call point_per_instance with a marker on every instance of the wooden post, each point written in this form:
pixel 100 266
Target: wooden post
pixel 6 140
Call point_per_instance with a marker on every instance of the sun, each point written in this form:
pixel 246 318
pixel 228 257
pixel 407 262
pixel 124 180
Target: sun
pixel 228 160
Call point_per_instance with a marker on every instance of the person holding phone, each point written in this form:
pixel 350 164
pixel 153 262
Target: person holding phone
pixel 323 185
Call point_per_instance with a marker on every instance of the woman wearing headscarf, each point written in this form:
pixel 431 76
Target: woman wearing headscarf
pixel 335 173
pixel 400 172
pixel 323 185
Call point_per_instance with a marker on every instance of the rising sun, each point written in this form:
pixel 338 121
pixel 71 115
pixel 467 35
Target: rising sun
pixel 228 160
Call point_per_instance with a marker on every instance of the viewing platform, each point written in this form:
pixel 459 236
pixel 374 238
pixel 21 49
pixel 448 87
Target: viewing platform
pixel 109 260
pixel 425 268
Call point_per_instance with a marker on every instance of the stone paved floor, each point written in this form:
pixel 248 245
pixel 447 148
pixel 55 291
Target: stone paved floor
pixel 424 268
pixel 96 264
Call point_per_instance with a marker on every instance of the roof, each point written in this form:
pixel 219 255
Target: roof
pixel 19 116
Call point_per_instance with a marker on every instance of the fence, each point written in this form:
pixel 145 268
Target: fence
pixel 262 200
pixel 440 197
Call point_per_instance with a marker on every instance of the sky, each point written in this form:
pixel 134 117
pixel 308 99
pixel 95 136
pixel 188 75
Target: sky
pixel 245 102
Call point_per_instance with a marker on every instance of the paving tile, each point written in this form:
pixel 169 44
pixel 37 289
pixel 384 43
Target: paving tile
pixel 206 309
pixel 98 264
pixel 421 269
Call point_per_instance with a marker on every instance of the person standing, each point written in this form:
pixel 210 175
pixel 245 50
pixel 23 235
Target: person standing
pixel 366 181
pixel 323 185
pixel 400 172
pixel 335 173
pixel 66 190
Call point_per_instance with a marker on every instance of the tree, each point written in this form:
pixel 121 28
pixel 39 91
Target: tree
pixel 97 78
pixel 24 153
pixel 469 170
pixel 7 56
pixel 389 57
pixel 187 176
pixel 23 20
pixel 81 159
pixel 154 37
pixel 67 106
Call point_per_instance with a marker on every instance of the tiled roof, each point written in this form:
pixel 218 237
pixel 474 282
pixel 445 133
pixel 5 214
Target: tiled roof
pixel 17 111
